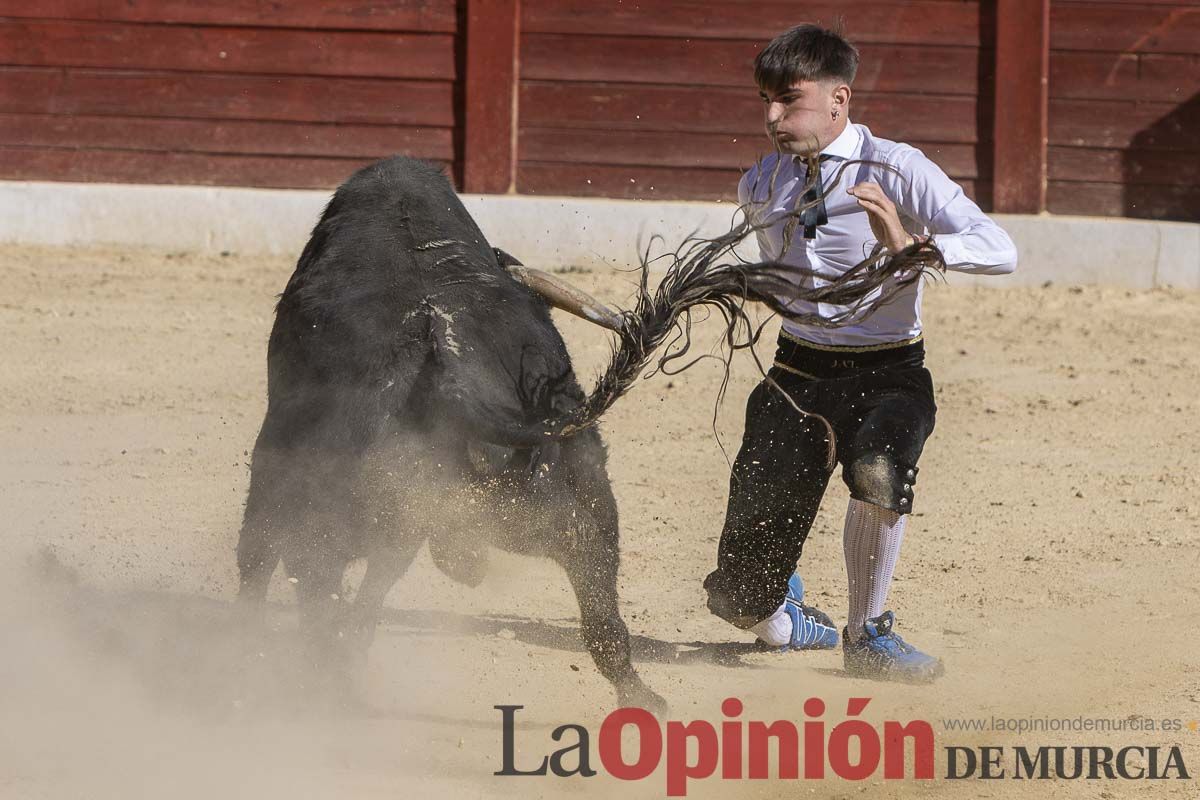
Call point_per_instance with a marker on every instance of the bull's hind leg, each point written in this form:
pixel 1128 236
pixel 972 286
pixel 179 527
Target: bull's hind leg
pixel 323 533
pixel 257 557
pixel 256 561
pixel 386 564
pixel 316 570
pixel 317 573
pixel 258 543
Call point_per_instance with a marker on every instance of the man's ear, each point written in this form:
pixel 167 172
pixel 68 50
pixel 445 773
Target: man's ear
pixel 841 97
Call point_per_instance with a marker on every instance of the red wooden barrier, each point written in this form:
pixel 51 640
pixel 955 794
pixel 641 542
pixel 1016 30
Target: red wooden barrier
pixel 1078 106
pixel 1022 56
pixel 911 21
pixel 233 137
pixel 489 160
pixel 647 99
pixel 388 15
pixel 1124 108
pixel 216 96
pixel 264 51
pixel 138 166
pixel 239 92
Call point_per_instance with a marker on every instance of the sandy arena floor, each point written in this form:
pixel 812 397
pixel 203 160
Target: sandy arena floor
pixel 1052 560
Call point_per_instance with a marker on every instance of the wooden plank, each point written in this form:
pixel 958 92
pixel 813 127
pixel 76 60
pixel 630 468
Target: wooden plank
pixel 689 150
pixel 1125 28
pixel 1120 76
pixel 615 147
pixel 917 22
pixel 650 183
pixel 1021 108
pixel 657 183
pixel 700 109
pixel 224 136
pixel 1129 123
pixel 1129 2
pixel 390 15
pixel 916 118
pixel 208 96
pixel 117 166
pixel 1116 200
pixel 1133 167
pixel 220 49
pixel 490 113
pixel 640 107
pixel 715 62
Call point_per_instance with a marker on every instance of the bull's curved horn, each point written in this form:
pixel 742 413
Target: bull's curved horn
pixel 561 294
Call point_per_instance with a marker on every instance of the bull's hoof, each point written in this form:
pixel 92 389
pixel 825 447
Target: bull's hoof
pixel 639 695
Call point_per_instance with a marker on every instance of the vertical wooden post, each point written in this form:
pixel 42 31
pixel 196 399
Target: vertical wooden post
pixel 1022 105
pixel 490 96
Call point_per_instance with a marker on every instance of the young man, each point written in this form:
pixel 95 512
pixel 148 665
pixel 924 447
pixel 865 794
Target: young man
pixel 867 378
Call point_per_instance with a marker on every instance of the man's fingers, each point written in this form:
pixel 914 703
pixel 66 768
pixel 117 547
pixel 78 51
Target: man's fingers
pixel 870 191
pixel 885 222
pixel 867 189
pixel 872 206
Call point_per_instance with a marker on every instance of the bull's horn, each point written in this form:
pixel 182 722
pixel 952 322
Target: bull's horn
pixel 561 294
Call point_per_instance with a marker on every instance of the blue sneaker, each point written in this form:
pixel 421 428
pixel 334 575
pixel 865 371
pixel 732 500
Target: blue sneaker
pixel 812 629
pixel 883 655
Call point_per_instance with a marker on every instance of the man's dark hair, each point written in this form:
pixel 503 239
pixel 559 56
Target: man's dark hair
pixel 805 53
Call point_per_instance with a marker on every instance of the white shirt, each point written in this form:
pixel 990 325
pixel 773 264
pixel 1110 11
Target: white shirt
pixel 927 201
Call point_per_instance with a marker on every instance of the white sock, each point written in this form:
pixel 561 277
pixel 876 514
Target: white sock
pixel 871 543
pixel 776 629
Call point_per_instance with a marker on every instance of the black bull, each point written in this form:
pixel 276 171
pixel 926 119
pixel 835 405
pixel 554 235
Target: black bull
pixel 418 393
pixel 407 375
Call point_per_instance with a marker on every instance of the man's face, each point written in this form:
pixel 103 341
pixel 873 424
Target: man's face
pixel 800 119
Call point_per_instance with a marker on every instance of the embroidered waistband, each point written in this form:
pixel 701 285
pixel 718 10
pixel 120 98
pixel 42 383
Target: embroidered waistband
pixel 834 348
pixel 815 361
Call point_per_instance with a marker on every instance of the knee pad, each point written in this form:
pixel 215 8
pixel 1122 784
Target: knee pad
pixel 879 480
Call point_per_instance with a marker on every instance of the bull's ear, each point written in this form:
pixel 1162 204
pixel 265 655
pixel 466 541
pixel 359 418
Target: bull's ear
pixel 505 259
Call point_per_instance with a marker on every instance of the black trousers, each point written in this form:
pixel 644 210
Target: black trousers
pixel 880 405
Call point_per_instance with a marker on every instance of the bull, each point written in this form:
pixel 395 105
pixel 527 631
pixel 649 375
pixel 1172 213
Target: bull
pixel 419 392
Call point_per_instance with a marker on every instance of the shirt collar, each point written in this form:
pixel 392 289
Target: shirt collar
pixel 846 144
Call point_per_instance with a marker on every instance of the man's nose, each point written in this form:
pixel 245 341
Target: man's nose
pixel 774 113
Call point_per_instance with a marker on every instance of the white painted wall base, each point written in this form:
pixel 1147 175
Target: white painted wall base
pixel 548 232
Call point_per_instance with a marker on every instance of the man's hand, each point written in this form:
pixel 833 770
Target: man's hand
pixel 885 221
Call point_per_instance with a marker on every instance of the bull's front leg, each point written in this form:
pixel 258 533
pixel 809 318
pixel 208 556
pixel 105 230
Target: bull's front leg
pixel 591 564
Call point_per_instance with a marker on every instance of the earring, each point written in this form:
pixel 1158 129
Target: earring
pixel 835 113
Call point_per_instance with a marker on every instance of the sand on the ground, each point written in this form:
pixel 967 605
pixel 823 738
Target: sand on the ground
pixel 1051 559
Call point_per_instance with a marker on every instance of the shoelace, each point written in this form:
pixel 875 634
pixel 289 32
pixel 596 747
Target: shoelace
pixel 901 645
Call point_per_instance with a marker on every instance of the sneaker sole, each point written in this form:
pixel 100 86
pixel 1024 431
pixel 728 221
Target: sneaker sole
pixel 897 676
pixel 762 646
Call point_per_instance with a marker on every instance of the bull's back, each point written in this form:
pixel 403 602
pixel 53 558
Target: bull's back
pixel 396 280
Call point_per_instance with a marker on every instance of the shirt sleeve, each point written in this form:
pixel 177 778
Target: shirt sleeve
pixel 969 240
pixel 765 251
